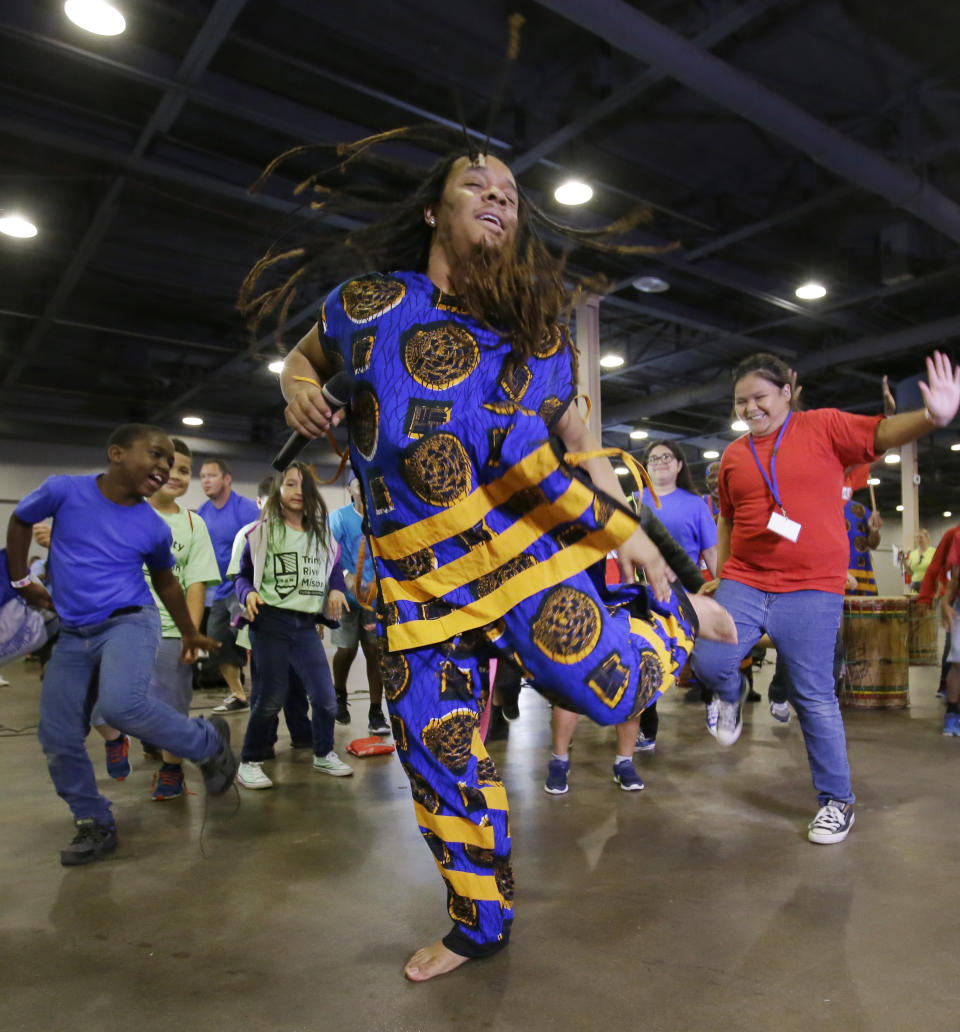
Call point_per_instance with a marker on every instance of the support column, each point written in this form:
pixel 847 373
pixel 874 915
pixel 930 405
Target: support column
pixel 909 493
pixel 588 345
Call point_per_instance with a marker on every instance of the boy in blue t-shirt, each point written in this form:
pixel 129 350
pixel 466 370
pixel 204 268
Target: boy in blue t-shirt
pixel 103 535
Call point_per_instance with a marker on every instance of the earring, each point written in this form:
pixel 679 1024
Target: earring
pixel 432 221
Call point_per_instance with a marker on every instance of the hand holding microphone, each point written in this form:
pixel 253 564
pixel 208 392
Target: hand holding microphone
pixel 337 392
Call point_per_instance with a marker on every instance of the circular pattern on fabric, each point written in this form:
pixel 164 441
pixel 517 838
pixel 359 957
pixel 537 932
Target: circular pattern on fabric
pixel 860 543
pixel 365 421
pixel 421 790
pixel 857 510
pixel 489 582
pixel 568 625
pixel 551 342
pixel 503 873
pixel 415 565
pixel 438 847
pixel 648 683
pixel 437 469
pixel 450 738
pixel 367 297
pixel 487 772
pixel 478 855
pixel 394 672
pixel 399 729
pixel 462 909
pixel 439 356
pixel 473 798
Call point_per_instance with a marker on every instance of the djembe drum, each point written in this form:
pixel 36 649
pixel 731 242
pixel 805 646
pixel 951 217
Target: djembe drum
pixel 875 632
pixel 922 641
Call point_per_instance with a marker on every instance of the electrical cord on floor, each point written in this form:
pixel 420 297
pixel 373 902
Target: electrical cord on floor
pixel 206 810
pixel 17 732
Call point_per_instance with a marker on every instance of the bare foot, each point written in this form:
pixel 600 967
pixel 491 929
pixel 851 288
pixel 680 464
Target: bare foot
pixel 716 624
pixel 431 961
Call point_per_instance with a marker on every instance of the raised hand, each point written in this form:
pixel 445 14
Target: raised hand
pixel 941 392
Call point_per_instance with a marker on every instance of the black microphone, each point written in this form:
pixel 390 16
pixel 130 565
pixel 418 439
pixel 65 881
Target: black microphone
pixel 338 391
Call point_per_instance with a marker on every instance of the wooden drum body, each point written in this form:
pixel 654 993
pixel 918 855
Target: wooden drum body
pixel 922 643
pixel 875 633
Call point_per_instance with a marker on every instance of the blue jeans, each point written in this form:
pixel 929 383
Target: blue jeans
pixel 281 639
pixel 296 711
pixel 109 664
pixel 803 626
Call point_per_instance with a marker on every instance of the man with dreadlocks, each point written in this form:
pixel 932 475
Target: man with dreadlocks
pixel 486 537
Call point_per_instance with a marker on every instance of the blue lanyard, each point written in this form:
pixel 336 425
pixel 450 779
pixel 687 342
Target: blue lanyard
pixel 771 481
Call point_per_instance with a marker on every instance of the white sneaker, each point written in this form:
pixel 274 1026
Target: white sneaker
pixel 713 713
pixel 4 683
pixel 780 711
pixel 831 824
pixel 251 775
pixel 729 722
pixel 332 764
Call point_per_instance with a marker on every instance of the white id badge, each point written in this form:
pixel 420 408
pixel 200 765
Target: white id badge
pixel 787 528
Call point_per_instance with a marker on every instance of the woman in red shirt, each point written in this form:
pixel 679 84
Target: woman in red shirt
pixel 782 554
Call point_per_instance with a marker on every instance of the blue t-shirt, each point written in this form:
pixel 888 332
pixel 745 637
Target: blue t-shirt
pixel 687 517
pixel 223 525
pixel 98 548
pixel 346 526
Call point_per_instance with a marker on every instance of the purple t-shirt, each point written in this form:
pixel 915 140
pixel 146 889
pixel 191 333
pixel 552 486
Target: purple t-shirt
pixel 687 517
pixel 98 548
pixel 223 525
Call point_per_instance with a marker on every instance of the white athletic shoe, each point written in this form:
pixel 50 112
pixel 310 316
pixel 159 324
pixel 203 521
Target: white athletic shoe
pixel 332 764
pixel 780 711
pixel 251 775
pixel 713 713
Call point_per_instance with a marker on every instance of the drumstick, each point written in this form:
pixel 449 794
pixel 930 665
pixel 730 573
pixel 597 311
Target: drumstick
pixel 873 498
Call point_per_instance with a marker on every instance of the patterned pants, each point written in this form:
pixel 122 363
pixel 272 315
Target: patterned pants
pixel 581 646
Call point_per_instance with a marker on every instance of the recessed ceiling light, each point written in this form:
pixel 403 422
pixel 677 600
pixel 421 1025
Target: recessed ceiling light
pixel 192 421
pixel 711 454
pixel 276 367
pixel 947 514
pixel 899 508
pixel 651 285
pixel 572 192
pixel 873 480
pixel 95 16
pixel 17 226
pixel 955 447
pixel 811 291
pixel 621 471
pixel 612 361
pixel 639 435
pixel 892 458
pixel 739 427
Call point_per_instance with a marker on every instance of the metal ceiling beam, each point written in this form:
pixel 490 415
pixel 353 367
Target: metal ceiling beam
pixel 205 44
pixel 632 32
pixel 722 29
pixel 903 341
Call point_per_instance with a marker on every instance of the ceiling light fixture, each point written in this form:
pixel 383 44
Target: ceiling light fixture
pixel 712 453
pixel 651 285
pixel 899 508
pixel 892 458
pixel 873 480
pixel 192 421
pixel 955 447
pixel 573 192
pixel 96 16
pixel 811 291
pixel 276 366
pixel 612 361
pixel 17 226
pixel 947 514
pixel 739 427
pixel 639 435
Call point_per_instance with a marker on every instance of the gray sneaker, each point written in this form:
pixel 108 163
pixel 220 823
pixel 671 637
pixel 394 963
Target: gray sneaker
pixel 729 722
pixel 831 824
pixel 220 769
pixel 332 764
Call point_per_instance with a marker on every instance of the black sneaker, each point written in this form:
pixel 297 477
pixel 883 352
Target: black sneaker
pixel 231 704
pixel 220 769
pixel 343 714
pixel 92 842
pixel 376 725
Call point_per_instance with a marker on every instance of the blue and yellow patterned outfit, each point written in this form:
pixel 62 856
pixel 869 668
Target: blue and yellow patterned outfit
pixel 485 541
pixel 856 516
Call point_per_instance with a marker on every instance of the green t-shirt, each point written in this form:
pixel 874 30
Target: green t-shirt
pixel 196 562
pixel 295 575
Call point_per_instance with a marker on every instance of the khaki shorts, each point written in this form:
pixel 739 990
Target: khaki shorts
pixel 349 634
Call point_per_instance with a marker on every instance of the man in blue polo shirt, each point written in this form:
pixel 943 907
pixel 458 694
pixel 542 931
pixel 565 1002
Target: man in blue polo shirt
pixel 224 513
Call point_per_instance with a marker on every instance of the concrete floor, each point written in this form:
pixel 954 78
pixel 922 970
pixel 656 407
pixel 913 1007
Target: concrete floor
pixel 697 904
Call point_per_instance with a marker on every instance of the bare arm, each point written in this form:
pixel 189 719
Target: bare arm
pixel 941 395
pixel 638 551
pixel 307 410
pixel 196 595
pixel 171 595
pixel 710 558
pixel 723 544
pixel 19 537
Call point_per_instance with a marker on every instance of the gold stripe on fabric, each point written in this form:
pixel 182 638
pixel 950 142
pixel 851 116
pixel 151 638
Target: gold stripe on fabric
pixel 563 564
pixel 473 886
pixel 455 829
pixel 496 797
pixel 528 471
pixel 506 545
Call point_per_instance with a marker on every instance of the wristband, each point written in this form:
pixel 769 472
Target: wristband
pixel 22 583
